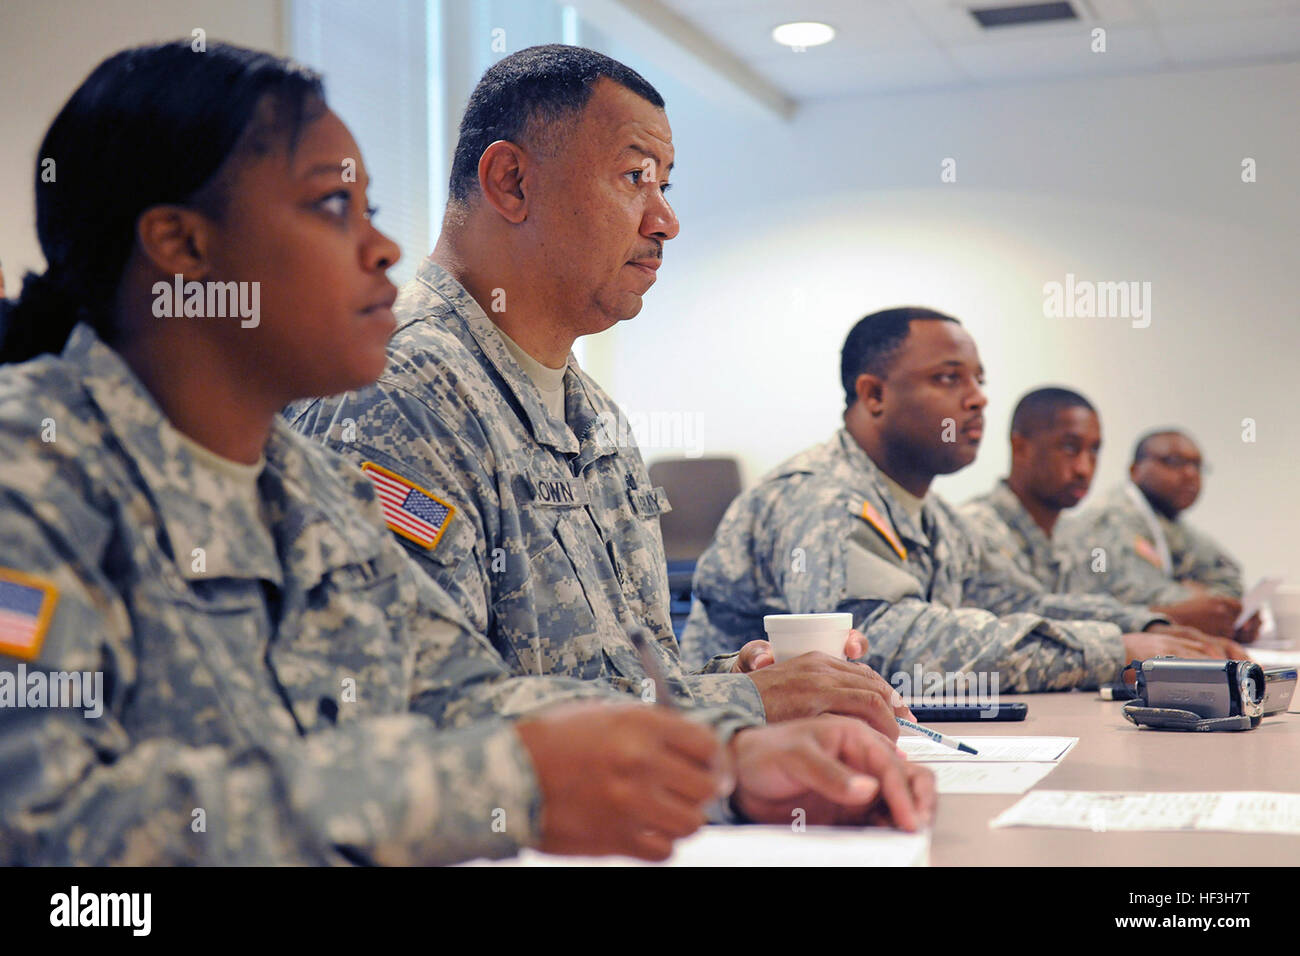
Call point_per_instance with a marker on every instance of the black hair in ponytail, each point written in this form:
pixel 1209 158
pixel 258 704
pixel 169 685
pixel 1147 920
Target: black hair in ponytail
pixel 150 126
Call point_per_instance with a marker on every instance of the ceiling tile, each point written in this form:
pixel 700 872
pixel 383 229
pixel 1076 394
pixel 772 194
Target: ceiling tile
pixel 1127 49
pixel 1230 40
pixel 898 45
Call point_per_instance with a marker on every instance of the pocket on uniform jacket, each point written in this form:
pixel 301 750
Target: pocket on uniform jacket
pixel 547 624
pixel 339 655
pixel 217 595
pixel 203 642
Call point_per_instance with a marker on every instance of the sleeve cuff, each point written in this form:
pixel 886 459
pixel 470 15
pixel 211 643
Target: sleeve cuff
pixel 487 800
pixel 735 692
pixel 1142 619
pixel 722 664
pixel 1104 658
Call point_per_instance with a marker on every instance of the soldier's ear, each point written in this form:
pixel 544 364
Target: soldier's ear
pixel 175 240
pixel 501 179
pixel 871 393
pixel 1019 445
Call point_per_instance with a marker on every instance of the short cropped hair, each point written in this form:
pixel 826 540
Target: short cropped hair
pixel 873 341
pixel 1038 409
pixel 537 85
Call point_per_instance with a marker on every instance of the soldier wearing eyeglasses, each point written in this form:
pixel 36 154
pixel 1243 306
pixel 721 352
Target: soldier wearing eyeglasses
pixel 1137 546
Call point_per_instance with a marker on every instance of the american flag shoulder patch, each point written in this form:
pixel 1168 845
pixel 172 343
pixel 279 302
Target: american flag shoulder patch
pixel 26 606
pixel 1146 549
pixel 412 512
pixel 883 527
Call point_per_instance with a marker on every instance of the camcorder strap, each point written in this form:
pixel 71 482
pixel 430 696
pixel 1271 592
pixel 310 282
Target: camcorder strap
pixel 1169 718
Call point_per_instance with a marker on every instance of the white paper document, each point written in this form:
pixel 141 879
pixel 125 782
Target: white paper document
pixel 765 846
pixel 1255 598
pixel 1235 812
pixel 1267 657
pixel 988 777
pixel 1001 749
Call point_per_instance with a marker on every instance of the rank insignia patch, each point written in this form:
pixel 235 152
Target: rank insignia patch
pixel 877 521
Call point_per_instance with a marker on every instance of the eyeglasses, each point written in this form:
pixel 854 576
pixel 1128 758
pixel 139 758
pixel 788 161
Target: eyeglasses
pixel 1178 463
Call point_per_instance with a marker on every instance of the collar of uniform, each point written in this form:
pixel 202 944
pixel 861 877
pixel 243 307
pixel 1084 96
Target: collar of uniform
pixel 1139 498
pixel 460 304
pixel 1018 518
pixel 862 464
pixel 201 508
pixel 600 426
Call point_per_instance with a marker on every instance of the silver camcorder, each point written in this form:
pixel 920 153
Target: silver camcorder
pixel 1177 694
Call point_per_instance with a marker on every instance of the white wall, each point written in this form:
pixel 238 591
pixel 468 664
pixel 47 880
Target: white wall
pixel 47 47
pixel 791 232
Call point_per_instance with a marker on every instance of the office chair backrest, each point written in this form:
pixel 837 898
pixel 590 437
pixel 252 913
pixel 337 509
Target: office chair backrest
pixel 699 490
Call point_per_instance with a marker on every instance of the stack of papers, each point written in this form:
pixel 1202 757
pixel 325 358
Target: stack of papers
pixel 765 846
pixel 1003 764
pixel 1235 812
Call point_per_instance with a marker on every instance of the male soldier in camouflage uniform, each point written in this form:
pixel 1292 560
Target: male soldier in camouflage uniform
pixel 1151 557
pixel 849 526
pixel 1055 441
pixel 537 517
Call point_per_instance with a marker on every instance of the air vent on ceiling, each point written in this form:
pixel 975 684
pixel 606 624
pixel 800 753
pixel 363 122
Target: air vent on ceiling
pixel 1023 13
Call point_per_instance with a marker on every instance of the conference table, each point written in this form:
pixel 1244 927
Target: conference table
pixel 1114 755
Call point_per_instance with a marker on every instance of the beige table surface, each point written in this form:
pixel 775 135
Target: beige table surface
pixel 1112 754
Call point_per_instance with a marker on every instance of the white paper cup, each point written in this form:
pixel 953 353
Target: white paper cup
pixel 1285 603
pixel 793 634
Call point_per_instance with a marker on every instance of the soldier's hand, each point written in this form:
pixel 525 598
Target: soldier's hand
pixel 752 656
pixel 816 683
pixel 1179 630
pixel 1230 649
pixel 626 779
pixel 1154 643
pixel 1222 646
pixel 1211 613
pixel 758 654
pixel 834 769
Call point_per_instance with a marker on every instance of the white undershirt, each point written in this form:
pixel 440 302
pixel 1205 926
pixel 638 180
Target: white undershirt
pixel 911 504
pixel 549 381
pixel 243 477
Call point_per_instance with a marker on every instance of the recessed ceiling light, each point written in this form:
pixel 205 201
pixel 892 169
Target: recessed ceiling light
pixel 800 35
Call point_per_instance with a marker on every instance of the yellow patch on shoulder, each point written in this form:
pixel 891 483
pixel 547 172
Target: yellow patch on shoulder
pixel 882 525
